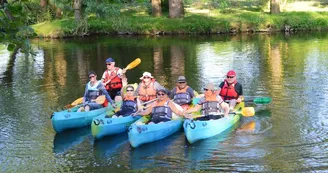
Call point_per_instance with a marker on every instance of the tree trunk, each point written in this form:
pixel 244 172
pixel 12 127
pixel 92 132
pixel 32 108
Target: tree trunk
pixel 156 8
pixel 274 6
pixel 176 9
pixel 6 10
pixel 43 3
pixel 77 6
pixel 59 12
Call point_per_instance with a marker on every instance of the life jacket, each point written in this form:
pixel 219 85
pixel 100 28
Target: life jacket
pixel 228 92
pixel 182 96
pixel 93 91
pixel 162 111
pixel 129 106
pixel 115 80
pixel 211 105
pixel 147 92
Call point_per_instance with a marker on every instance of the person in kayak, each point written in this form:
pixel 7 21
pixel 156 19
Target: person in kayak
pixel 112 79
pixel 162 110
pixel 182 94
pixel 230 90
pixel 146 89
pixel 93 90
pixel 210 104
pixel 131 103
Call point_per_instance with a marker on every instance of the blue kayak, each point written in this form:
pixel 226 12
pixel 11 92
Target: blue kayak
pixel 196 130
pixel 69 119
pixel 102 126
pixel 141 133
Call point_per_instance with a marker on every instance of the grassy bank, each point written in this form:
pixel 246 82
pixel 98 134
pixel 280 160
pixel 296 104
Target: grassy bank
pixel 194 22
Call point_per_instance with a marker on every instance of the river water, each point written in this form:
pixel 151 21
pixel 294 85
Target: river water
pixel 288 135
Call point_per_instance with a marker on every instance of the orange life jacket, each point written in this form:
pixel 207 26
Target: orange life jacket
pixel 147 92
pixel 115 80
pixel 228 92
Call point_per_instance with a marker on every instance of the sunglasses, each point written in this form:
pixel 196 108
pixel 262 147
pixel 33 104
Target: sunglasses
pixel 146 77
pixel 230 77
pixel 181 82
pixel 109 64
pixel 205 89
pixel 129 90
pixel 159 94
pixel 91 77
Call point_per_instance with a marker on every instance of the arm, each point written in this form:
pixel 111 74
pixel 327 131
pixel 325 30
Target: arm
pixel 85 96
pixel 219 89
pixel 240 93
pixel 139 105
pixel 191 92
pixel 103 90
pixel 157 85
pixel 194 109
pixel 175 109
pixel 173 91
pixel 224 106
pixel 148 110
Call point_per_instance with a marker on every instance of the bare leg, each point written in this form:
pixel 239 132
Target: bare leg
pixel 232 104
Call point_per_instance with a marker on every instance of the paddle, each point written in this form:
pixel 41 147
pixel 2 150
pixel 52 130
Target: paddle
pixel 76 102
pixel 259 100
pixel 133 64
pixel 246 112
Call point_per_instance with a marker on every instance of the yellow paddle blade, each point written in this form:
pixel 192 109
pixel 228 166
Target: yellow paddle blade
pixel 100 99
pixel 77 101
pixel 248 111
pixel 133 64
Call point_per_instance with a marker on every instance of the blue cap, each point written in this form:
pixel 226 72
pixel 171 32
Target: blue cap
pixel 110 60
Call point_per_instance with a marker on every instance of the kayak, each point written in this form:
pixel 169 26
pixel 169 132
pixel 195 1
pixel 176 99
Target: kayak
pixel 140 133
pixel 102 126
pixel 196 130
pixel 69 119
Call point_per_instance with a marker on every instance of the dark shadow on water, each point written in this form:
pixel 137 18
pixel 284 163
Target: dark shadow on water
pixel 107 146
pixel 66 140
pixel 263 113
pixel 145 155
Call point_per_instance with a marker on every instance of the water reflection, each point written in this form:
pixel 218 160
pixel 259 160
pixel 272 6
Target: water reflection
pixel 289 134
pixel 66 140
pixel 150 155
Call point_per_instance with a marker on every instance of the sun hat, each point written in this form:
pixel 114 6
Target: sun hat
pixel 146 74
pixel 210 86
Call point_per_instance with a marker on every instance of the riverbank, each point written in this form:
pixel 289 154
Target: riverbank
pixel 194 22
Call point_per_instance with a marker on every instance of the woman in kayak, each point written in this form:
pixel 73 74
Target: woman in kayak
pixel 93 90
pixel 211 104
pixel 131 103
pixel 162 110
pixel 147 87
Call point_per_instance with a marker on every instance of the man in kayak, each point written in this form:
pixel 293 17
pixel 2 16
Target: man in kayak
pixel 131 103
pixel 230 90
pixel 112 79
pixel 162 110
pixel 182 94
pixel 211 105
pixel 93 90
pixel 147 87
